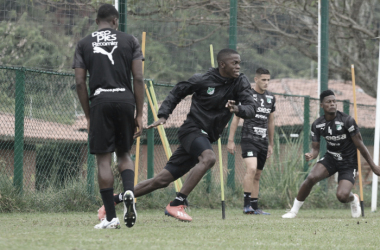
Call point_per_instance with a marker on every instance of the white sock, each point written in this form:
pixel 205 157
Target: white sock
pixel 296 205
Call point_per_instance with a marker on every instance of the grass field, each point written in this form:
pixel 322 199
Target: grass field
pixel 312 229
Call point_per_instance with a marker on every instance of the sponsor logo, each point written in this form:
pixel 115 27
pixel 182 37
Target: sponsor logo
pixel 320 125
pixel 210 90
pixel 334 144
pixel 104 38
pixel 263 110
pixel 261 116
pixel 204 132
pixel 103 52
pixel 100 90
pixel 260 131
pixel 352 128
pixel 336 138
pixel 337 156
pixel 250 153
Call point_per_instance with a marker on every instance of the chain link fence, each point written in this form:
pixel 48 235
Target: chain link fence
pixel 43 137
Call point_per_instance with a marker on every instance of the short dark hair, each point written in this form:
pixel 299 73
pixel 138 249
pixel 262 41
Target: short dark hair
pixel 325 93
pixel 262 71
pixel 224 53
pixel 107 12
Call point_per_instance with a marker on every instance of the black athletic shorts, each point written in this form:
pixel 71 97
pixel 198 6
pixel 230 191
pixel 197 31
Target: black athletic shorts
pixel 251 149
pixel 112 126
pixel 345 171
pixel 186 155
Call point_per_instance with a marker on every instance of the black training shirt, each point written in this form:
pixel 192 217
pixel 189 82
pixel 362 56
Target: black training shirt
pixel 257 127
pixel 338 133
pixel 210 93
pixel 107 54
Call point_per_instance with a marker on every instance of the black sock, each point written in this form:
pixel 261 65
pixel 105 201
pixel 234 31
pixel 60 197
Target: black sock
pixel 107 197
pixel 179 200
pixel 128 179
pixel 255 203
pixel 117 198
pixel 247 197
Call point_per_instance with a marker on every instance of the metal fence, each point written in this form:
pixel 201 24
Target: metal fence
pixel 43 137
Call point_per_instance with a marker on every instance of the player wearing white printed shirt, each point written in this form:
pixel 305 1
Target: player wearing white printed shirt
pixel 256 133
pixel 343 138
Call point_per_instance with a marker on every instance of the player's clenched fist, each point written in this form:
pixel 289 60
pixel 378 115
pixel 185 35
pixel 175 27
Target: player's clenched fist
pixel 308 156
pixel 231 106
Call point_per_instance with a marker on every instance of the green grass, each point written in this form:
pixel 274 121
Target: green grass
pixel 312 229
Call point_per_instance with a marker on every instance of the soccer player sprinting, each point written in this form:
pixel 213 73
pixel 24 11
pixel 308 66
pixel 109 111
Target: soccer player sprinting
pixel 214 95
pixel 254 140
pixel 343 139
pixel 110 56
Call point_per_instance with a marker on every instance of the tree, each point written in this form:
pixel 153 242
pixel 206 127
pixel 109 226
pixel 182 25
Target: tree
pixel 353 26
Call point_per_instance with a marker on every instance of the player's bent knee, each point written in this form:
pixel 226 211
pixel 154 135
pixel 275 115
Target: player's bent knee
pixel 343 196
pixel 208 158
pixel 312 179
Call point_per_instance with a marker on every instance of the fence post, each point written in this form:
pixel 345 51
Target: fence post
pixel 346 107
pixel 150 144
pixel 232 45
pixel 19 130
pixel 306 129
pixel 123 15
pixel 90 171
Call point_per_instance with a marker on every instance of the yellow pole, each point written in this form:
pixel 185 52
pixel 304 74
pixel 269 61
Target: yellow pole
pixel 219 148
pixel 358 152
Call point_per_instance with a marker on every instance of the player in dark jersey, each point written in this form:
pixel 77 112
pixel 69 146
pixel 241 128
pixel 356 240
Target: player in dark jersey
pixel 254 140
pixel 214 95
pixel 343 139
pixel 109 56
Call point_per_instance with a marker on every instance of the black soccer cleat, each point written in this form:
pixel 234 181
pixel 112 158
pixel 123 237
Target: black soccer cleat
pixel 130 214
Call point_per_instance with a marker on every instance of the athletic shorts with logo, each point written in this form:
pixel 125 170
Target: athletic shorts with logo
pixel 186 155
pixel 346 171
pixel 250 148
pixel 112 127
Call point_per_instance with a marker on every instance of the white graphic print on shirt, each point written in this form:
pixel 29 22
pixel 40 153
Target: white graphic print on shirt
pixel 105 38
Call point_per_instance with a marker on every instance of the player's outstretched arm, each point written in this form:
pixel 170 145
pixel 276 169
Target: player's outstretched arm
pixel 160 121
pixel 314 151
pixel 358 141
pixel 231 142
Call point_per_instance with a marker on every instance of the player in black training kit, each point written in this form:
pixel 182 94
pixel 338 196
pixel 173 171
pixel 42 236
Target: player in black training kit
pixel 214 95
pixel 343 139
pixel 110 56
pixel 254 140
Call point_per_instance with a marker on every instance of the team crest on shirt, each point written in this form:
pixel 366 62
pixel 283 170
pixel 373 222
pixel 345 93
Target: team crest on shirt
pixel 269 98
pixel 338 127
pixel 255 97
pixel 210 90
